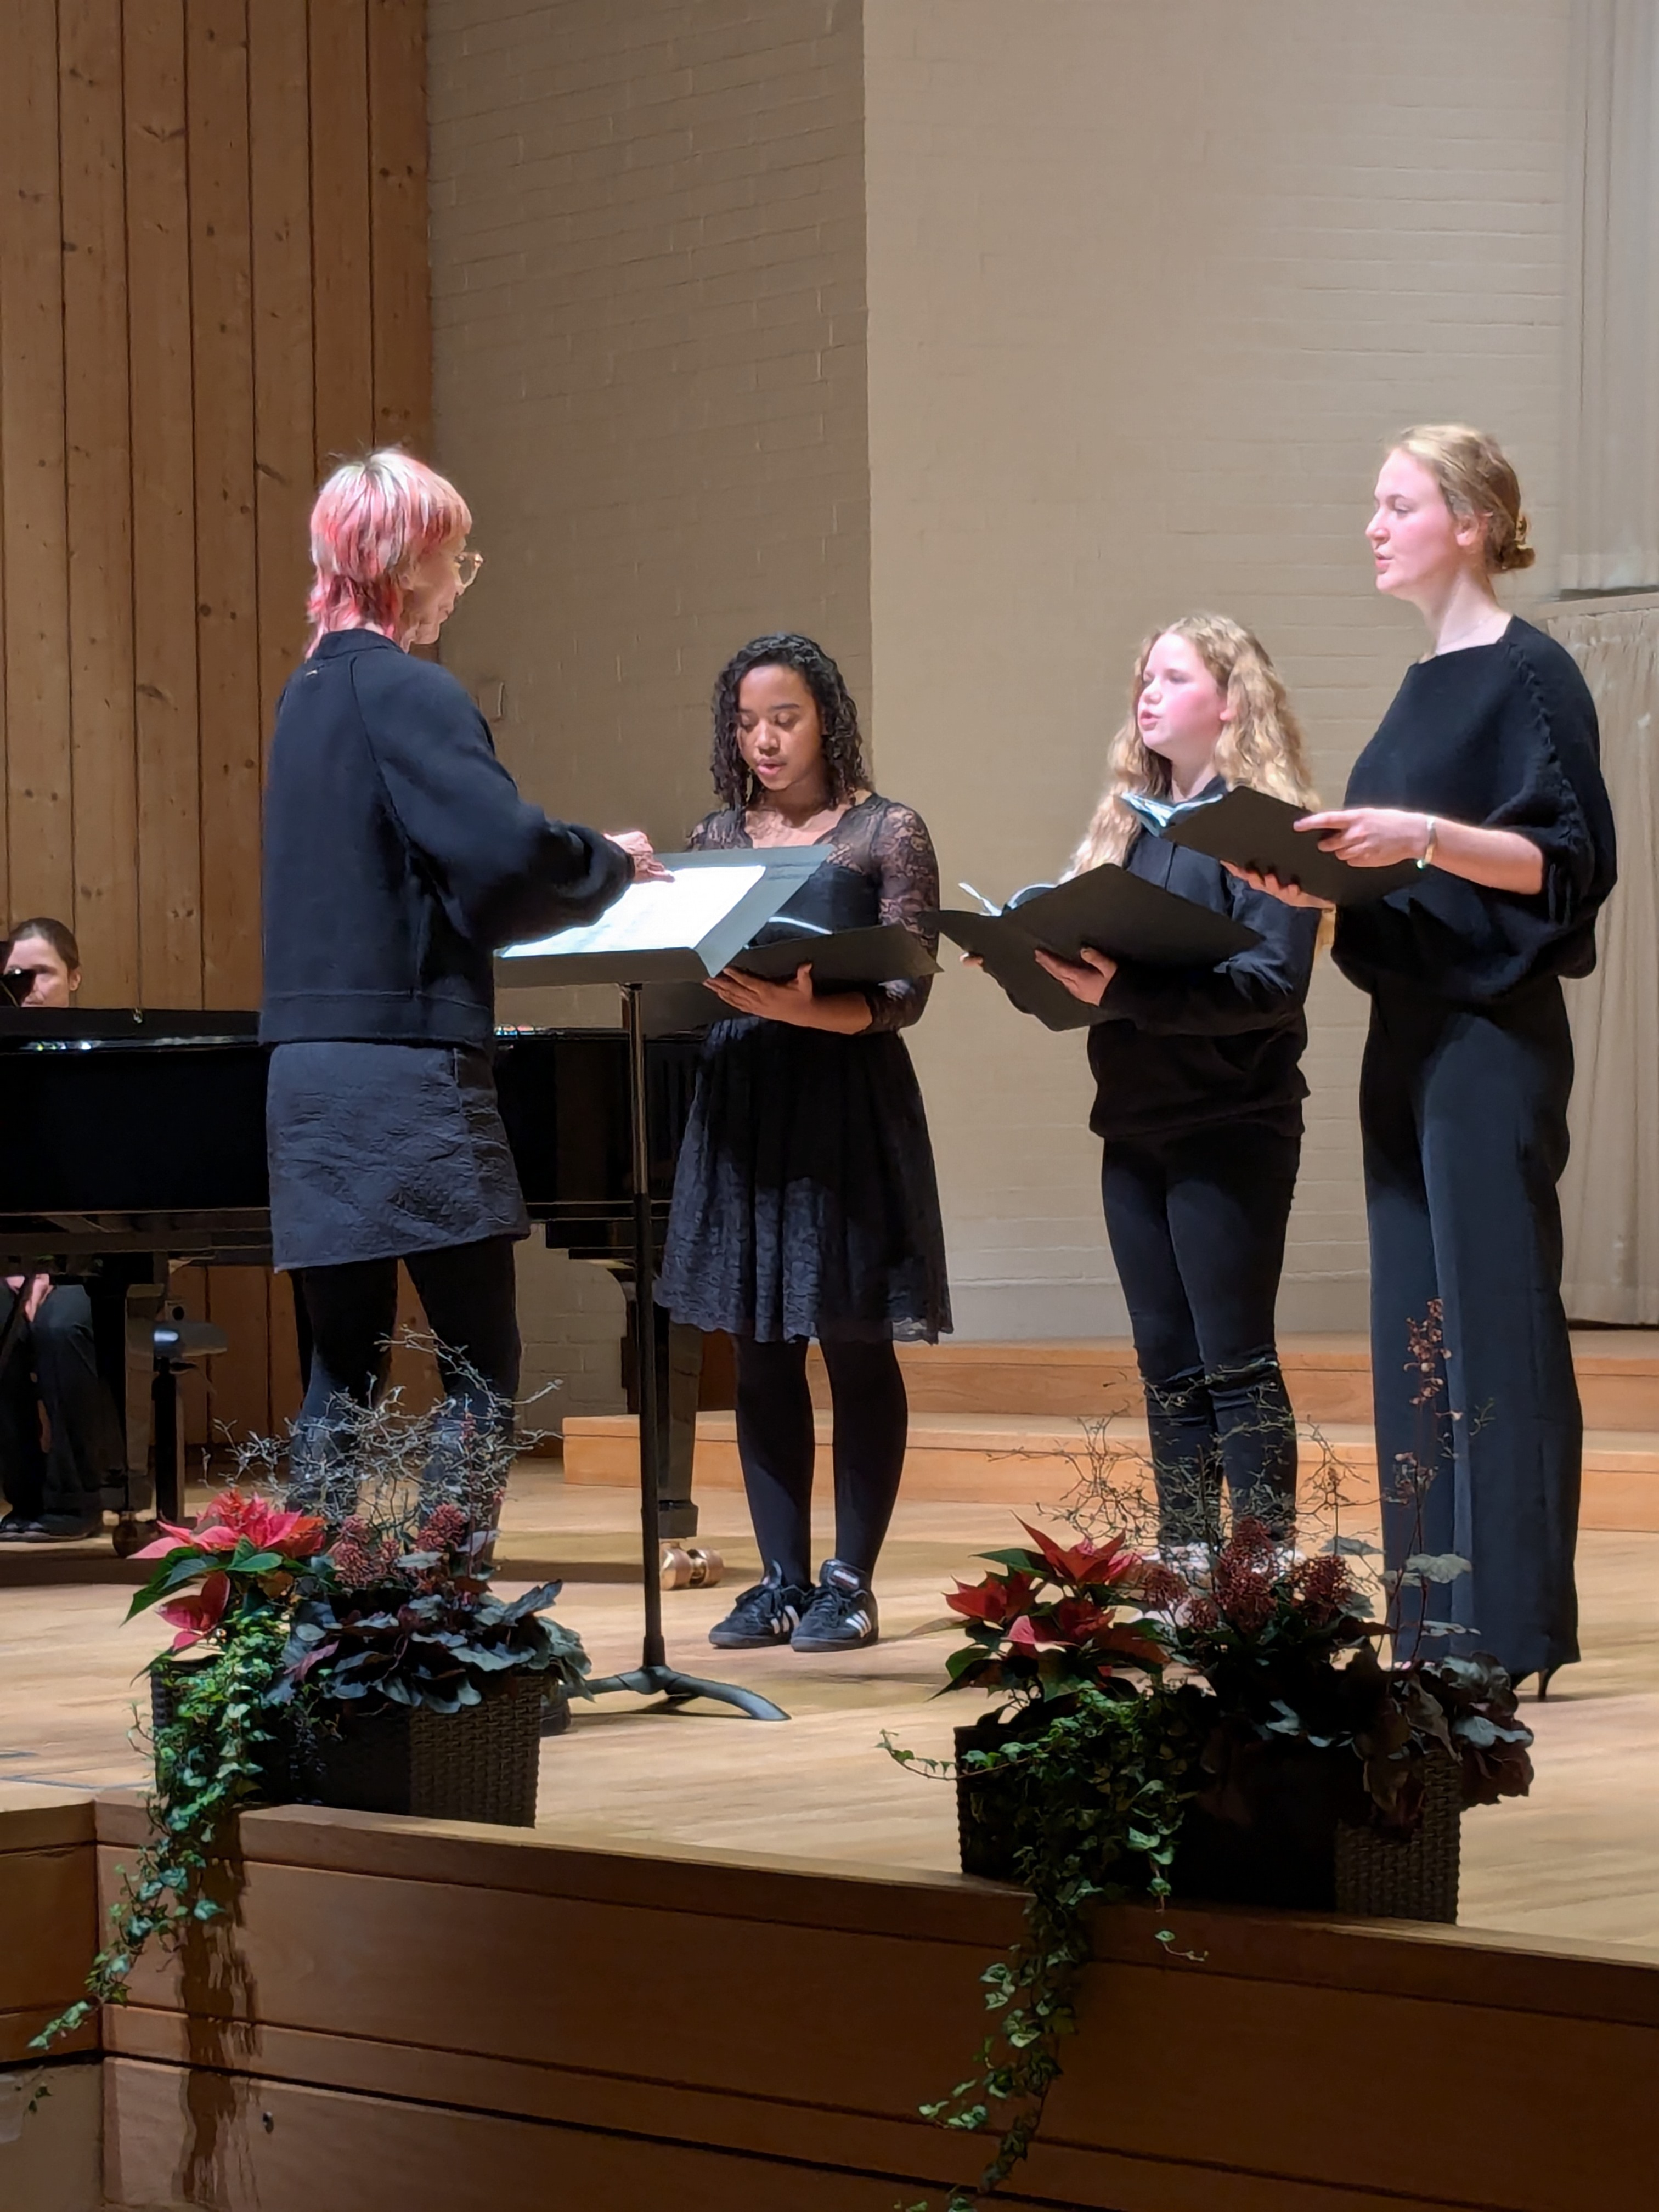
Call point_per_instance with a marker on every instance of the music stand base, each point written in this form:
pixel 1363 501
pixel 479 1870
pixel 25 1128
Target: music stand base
pixel 667 1682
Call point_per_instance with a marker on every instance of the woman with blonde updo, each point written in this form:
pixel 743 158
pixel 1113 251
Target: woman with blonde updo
pixel 1199 1083
pixel 1485 772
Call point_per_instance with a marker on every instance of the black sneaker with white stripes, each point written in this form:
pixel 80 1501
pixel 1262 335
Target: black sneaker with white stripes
pixel 767 1614
pixel 842 1616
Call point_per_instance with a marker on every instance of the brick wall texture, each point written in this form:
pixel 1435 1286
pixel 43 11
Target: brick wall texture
pixel 1149 283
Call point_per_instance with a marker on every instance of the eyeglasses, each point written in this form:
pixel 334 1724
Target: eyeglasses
pixel 467 566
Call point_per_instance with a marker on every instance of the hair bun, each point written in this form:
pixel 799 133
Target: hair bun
pixel 1518 553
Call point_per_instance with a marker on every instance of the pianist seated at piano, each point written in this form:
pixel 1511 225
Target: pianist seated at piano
pixel 51 1483
pixel 398 857
pixel 42 963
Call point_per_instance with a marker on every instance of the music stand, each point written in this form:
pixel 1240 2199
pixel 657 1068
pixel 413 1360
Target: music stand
pixel 683 930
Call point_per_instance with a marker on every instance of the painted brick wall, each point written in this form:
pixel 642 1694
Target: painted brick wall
pixel 647 246
pixel 1151 281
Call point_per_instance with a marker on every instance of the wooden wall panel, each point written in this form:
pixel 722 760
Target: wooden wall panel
pixel 168 831
pixel 100 464
pixel 34 519
pixel 403 293
pixel 285 437
pixel 341 239
pixel 213 277
pixel 227 636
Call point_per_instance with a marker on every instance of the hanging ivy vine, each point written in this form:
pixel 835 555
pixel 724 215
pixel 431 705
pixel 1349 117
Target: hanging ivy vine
pixel 208 1765
pixel 1095 1803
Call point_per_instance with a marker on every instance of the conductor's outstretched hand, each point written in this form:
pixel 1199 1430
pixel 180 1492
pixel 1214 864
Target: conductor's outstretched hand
pixel 648 868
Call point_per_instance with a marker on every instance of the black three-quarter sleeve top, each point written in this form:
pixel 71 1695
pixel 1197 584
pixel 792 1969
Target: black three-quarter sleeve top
pixel 398 855
pixel 1184 1047
pixel 1502 736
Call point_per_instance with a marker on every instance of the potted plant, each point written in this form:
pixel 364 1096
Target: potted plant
pixel 356 1658
pixel 1050 1621
pixel 1230 1731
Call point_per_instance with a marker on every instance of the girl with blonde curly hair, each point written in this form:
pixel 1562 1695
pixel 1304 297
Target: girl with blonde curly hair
pixel 1199 1083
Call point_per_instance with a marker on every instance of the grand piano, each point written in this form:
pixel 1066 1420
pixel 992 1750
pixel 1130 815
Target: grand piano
pixel 131 1139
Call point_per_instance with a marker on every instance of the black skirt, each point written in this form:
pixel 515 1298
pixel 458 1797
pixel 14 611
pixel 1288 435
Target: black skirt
pixel 377 1150
pixel 805 1202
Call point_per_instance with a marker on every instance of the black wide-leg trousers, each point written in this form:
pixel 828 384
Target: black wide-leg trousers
pixel 1463 1116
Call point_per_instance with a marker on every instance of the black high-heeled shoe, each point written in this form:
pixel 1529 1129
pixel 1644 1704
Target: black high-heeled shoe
pixel 1545 1676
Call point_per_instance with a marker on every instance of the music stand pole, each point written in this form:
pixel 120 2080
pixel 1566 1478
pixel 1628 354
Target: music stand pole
pixel 654 1676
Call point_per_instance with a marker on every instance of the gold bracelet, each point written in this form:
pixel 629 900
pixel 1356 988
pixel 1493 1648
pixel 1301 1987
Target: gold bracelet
pixel 1427 859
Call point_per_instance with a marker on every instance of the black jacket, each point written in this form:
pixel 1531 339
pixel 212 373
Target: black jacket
pixel 1188 1046
pixel 398 855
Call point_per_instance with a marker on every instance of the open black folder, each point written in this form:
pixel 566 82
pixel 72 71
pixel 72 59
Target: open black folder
pixel 1106 908
pixel 1257 832
pixel 841 960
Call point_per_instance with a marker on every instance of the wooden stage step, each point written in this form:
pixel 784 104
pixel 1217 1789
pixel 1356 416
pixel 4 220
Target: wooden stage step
pixel 1017 1460
pixel 1329 1377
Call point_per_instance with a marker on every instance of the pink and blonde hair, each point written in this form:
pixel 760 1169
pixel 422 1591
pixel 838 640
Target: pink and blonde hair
pixel 373 523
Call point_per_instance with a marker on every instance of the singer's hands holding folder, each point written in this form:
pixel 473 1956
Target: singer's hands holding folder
pixel 844 1013
pixel 1364 836
pixel 1087 979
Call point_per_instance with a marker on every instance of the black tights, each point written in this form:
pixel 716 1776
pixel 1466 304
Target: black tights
pixel 775 1445
pixel 467 1294
pixel 1196 1221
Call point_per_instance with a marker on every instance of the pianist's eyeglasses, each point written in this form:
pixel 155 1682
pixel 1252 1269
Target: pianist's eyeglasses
pixel 467 566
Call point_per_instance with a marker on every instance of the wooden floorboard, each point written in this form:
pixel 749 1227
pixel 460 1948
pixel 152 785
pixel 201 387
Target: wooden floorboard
pixel 1579 1859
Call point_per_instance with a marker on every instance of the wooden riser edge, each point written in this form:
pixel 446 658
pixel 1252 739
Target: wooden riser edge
pixel 1057 1382
pixel 379 2052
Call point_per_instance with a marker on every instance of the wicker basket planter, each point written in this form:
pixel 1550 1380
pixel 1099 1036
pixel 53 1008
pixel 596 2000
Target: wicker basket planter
pixel 480 1763
pixel 1293 1853
pixel 1382 1877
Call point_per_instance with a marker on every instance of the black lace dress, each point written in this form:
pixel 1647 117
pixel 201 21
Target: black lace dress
pixel 805 1202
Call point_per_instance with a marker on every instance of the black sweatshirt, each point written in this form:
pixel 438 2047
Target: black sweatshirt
pixel 1188 1046
pixel 1503 736
pixel 398 855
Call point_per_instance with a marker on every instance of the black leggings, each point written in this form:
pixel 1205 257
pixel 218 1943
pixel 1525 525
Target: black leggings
pixel 467 1294
pixel 1196 1222
pixel 775 1445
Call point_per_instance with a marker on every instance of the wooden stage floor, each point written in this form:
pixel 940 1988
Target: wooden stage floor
pixel 1579 1860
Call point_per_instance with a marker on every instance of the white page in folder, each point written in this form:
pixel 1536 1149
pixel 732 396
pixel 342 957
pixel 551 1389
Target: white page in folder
pixel 654 917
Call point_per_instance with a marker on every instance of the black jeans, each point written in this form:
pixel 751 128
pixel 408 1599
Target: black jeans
pixel 1196 1222
pixel 1463 1111
pixel 53 1364
pixel 776 1446
pixel 467 1292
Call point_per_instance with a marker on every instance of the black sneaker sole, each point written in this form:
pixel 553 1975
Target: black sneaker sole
pixel 747 1643
pixel 799 1643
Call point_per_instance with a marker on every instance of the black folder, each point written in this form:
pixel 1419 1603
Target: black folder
pixel 841 959
pixel 1257 832
pixel 1106 908
pixel 848 959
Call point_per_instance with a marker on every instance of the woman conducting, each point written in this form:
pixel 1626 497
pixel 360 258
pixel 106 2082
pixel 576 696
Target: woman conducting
pixel 804 1202
pixel 1199 1086
pixel 1485 772
pixel 398 856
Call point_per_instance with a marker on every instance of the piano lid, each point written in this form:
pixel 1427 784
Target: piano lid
pixel 86 1028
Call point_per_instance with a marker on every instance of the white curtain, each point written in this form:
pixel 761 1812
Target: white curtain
pixel 1610 1193
pixel 1610 515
